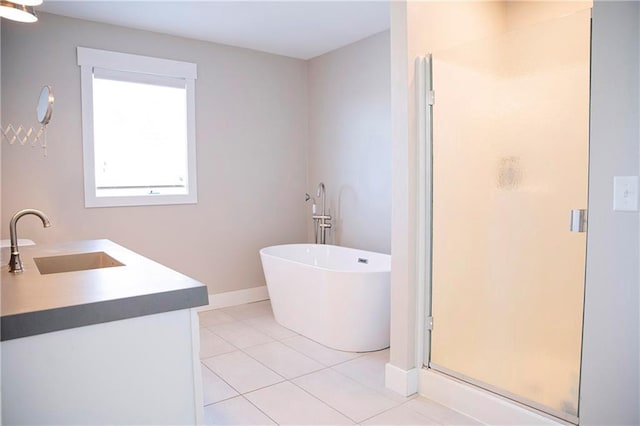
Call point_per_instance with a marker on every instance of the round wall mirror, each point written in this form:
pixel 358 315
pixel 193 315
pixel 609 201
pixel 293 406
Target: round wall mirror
pixel 45 105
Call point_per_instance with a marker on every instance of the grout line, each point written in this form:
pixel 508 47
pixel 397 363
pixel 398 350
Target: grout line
pixel 221 353
pixel 263 387
pixel 262 363
pixel 237 390
pixel 246 399
pixel 277 383
pixel 207 367
pixel 223 380
pixel 371 389
pixel 222 400
pixel 279 339
pixel 250 346
pixel 393 408
pixel 290 380
pixel 324 402
pixel 258 408
pixel 317 360
pixel 383 392
pixel 252 390
pixel 279 374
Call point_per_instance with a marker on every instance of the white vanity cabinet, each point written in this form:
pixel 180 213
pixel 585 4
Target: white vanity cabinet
pixel 119 354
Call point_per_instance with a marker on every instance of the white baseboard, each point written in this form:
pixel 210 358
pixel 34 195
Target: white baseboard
pixel 237 297
pixel 479 404
pixel 404 382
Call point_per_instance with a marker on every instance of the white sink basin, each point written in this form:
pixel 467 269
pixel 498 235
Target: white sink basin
pixel 75 262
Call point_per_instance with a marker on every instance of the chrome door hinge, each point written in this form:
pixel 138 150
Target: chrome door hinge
pixel 578 221
pixel 429 323
pixel 431 97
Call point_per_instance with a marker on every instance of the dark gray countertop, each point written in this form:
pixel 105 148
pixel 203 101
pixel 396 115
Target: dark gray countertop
pixel 33 303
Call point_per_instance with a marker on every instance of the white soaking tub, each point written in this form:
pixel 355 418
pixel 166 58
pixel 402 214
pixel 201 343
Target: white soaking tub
pixel 336 296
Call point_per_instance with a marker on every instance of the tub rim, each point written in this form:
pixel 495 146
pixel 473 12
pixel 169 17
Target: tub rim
pixel 324 268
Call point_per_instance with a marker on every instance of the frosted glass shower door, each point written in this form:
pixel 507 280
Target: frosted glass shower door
pixel 510 161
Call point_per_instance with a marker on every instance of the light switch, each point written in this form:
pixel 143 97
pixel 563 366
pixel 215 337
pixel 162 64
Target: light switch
pixel 625 193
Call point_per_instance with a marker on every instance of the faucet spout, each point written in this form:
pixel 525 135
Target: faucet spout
pixel 15 264
pixel 321 192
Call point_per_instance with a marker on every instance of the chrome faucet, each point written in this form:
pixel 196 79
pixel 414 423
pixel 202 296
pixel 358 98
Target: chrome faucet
pixel 15 264
pixel 322 220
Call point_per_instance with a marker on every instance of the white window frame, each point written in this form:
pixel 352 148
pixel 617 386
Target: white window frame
pixel 90 59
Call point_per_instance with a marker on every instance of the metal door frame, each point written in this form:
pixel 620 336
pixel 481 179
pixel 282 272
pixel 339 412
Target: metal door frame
pixel 425 100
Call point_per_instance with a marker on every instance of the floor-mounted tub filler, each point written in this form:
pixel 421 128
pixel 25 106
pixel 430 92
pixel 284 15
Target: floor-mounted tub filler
pixel 334 295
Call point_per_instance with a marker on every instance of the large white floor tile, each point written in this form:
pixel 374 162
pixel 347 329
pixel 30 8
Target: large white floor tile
pixel 214 317
pixel 214 388
pixel 241 371
pixel 235 411
pixel 268 325
pixel 283 360
pixel 249 310
pixel 240 334
pixel 369 370
pixel 287 404
pixel 320 353
pixel 352 399
pixel 211 344
pixel 401 415
pixel 421 411
pixel 439 412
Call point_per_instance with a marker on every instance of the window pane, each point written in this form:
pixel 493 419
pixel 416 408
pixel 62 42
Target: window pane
pixel 140 138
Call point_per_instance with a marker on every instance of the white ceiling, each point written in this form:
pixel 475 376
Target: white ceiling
pixel 300 29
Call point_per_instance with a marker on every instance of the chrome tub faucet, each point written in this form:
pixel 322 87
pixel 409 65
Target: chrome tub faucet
pixel 322 221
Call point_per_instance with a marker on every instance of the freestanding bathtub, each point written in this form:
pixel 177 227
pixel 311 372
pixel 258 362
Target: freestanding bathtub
pixel 336 296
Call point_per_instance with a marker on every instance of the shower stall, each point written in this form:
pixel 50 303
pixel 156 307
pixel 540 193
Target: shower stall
pixel 506 131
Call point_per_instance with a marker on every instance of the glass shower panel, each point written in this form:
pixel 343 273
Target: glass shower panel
pixel 510 161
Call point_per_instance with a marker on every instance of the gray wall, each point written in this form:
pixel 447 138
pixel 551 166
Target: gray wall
pixel 268 129
pixel 609 391
pixel 252 133
pixel 350 142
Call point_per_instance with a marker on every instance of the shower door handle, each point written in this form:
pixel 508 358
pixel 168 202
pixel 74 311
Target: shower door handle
pixel 578 222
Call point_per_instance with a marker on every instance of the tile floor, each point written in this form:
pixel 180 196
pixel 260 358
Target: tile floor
pixel 256 372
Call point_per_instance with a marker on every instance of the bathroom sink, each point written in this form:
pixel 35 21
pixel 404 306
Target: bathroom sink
pixel 75 262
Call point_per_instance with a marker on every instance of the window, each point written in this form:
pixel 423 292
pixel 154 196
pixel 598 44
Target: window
pixel 138 119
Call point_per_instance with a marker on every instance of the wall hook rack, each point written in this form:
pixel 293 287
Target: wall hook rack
pixel 24 135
